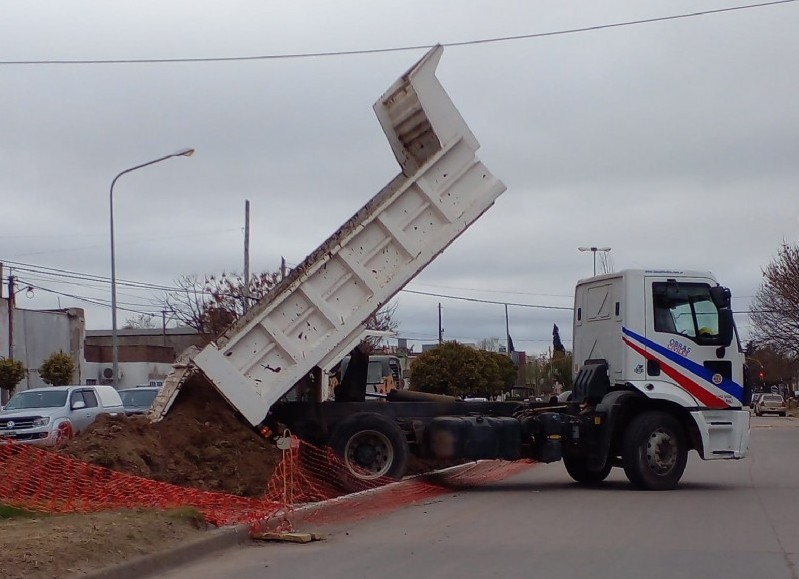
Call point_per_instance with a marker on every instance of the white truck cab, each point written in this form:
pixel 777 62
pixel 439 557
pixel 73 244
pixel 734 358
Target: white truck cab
pixel 668 335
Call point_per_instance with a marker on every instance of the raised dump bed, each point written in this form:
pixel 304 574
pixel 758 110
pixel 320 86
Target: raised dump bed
pixel 318 313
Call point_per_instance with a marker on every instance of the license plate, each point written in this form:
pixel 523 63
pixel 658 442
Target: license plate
pixel 8 433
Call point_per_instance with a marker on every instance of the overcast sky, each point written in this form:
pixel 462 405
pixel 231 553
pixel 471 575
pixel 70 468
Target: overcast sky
pixel 672 142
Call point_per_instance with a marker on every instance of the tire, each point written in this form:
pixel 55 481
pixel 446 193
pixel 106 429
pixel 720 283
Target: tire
pixel 63 433
pixel 372 447
pixel 654 451
pixel 578 470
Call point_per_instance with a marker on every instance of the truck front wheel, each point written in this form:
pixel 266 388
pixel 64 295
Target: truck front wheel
pixel 371 447
pixel 578 469
pixel 654 451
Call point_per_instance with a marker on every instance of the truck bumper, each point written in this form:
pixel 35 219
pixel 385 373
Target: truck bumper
pixel 725 433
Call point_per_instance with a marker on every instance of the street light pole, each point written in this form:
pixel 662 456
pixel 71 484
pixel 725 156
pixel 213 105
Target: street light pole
pixel 114 336
pixel 594 250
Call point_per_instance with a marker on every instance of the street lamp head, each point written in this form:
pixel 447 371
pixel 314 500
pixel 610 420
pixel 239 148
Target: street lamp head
pixel 183 153
pixel 603 249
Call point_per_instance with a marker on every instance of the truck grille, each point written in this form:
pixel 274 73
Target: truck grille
pixel 20 436
pixel 16 423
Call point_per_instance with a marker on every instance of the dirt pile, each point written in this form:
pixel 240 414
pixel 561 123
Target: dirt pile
pixel 201 443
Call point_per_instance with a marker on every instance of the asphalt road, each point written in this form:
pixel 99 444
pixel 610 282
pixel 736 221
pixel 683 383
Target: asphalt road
pixel 730 519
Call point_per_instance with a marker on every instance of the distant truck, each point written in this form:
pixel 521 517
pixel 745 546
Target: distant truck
pixel 384 374
pixel 658 367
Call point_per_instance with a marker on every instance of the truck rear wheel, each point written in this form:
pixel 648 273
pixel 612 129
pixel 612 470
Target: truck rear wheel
pixel 578 469
pixel 654 451
pixel 371 447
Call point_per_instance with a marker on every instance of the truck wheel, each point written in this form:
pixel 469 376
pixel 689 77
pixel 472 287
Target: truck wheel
pixel 371 447
pixel 578 470
pixel 63 433
pixel 655 452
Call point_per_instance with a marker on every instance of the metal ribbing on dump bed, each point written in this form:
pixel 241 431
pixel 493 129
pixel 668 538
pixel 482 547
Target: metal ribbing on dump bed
pixel 321 307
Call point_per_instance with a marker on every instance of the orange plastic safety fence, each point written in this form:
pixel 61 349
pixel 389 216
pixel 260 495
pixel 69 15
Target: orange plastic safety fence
pixel 40 480
pixel 309 475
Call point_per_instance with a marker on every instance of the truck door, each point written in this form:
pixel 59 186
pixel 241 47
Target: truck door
pixel 597 324
pixel 682 343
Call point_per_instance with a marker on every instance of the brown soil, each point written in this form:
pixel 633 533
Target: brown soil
pixel 68 545
pixel 201 443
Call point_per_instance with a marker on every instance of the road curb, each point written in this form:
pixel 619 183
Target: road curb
pixel 313 513
pixel 409 491
pixel 162 561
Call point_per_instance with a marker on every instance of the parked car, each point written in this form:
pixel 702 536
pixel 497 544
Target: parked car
pixel 753 401
pixel 138 400
pixel 771 403
pixel 52 415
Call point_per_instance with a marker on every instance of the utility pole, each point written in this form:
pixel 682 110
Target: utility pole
pixel 246 255
pixel 11 306
pixel 440 327
pixel 163 327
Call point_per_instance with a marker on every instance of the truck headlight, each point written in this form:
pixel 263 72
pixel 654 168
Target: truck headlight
pixel 41 421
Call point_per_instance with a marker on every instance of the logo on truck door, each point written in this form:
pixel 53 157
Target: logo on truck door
pixel 679 347
pixel 709 388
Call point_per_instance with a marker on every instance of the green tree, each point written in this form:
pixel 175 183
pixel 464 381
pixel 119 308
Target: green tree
pixel 57 369
pixel 11 373
pixel 458 370
pixel 562 369
pixel 558 349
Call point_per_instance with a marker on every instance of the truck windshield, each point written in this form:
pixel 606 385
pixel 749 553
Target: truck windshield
pixel 686 309
pixel 48 399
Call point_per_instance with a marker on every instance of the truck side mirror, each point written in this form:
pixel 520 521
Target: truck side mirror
pixel 721 297
pixel 726 326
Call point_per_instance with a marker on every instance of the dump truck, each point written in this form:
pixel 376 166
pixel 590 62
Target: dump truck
pixel 659 370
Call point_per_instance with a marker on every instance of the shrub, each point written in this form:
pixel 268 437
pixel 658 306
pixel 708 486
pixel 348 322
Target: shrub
pixel 57 369
pixel 11 373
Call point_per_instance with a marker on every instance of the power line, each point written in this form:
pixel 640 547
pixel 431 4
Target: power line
pixel 337 53
pixel 88 300
pixel 479 301
pixel 25 267
pixel 31 269
pixel 488 291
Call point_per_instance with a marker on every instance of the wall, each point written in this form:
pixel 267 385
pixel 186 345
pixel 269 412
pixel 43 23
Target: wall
pixel 132 373
pixel 40 333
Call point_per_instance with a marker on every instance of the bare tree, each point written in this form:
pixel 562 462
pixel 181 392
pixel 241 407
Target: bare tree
pixel 489 344
pixel 774 311
pixel 211 303
pixel 383 320
pixel 139 321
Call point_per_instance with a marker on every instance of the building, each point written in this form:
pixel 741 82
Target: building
pixel 145 355
pixel 32 336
